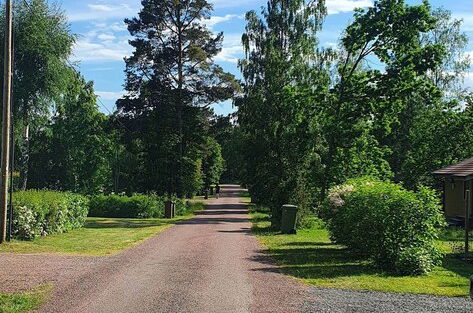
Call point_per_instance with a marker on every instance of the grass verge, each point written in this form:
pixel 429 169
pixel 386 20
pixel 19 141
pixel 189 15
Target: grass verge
pixel 24 302
pixel 99 236
pixel 312 257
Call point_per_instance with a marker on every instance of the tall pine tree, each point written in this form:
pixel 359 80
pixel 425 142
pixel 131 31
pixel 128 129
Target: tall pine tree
pixel 171 82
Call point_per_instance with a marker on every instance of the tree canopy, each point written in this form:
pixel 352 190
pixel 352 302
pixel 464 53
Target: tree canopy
pixel 387 102
pixel 171 81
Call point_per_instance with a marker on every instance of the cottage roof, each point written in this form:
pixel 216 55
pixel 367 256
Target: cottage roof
pixel 463 170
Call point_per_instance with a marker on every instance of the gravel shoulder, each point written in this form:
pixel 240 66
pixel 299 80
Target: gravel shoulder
pixel 338 301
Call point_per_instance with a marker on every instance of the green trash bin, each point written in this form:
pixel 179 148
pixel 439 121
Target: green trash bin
pixel 288 219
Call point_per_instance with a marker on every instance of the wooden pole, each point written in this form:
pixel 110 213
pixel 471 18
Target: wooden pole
pixel 5 162
pixel 12 148
pixel 467 222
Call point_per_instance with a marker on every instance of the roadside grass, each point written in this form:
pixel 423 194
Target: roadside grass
pixel 312 257
pixel 245 194
pixel 24 302
pixel 99 236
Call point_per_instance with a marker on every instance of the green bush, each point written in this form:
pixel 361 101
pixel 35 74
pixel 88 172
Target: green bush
pixel 41 212
pixel 136 206
pixel 395 227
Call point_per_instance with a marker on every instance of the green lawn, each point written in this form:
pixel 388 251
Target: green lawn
pixel 23 302
pixel 99 237
pixel 313 258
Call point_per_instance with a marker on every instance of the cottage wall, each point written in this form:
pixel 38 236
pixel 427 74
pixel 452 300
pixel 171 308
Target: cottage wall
pixel 455 197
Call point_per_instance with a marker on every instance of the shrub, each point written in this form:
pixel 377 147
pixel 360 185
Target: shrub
pixel 136 206
pixel 41 212
pixel 395 227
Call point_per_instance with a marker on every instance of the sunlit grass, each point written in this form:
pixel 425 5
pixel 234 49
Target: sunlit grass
pixel 24 302
pixel 312 257
pixel 99 237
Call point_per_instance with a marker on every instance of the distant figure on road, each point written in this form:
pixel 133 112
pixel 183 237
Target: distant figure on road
pixel 217 191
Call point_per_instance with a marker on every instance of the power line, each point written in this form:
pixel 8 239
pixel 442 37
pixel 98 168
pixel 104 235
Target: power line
pixel 118 120
pixel 98 99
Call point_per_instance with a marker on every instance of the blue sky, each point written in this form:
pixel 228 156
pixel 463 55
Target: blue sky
pixel 103 38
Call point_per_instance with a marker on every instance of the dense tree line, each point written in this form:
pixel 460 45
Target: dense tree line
pixel 386 103
pixel 160 138
pixel 59 135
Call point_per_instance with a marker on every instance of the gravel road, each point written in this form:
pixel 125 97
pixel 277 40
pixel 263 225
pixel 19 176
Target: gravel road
pixel 210 263
pixel 343 301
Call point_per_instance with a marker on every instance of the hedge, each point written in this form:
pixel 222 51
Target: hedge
pixel 395 227
pixel 42 212
pixel 136 206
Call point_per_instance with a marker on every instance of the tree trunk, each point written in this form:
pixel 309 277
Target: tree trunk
pixel 327 171
pixel 179 108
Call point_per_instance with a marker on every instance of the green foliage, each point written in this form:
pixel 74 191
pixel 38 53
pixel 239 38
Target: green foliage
pixel 367 103
pixel 277 110
pixel 395 227
pixel 42 212
pixel 430 129
pixel 313 258
pixel 24 302
pixel 312 118
pixel 212 165
pixel 171 80
pixel 58 128
pixel 192 170
pixel 43 43
pixel 230 138
pixel 450 73
pixel 73 151
pixel 136 206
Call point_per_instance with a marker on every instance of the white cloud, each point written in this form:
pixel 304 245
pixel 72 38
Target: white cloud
pixel 469 80
pixel 232 49
pixel 229 54
pixel 220 19
pixel 101 44
pixel 106 36
pixel 101 7
pixel 104 12
pixel 113 27
pixel 110 95
pixel 233 3
pixel 467 20
pixel 92 51
pixel 342 6
pixel 329 44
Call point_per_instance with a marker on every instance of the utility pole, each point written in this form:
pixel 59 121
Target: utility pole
pixel 5 162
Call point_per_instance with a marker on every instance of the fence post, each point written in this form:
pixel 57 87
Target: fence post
pixel 467 223
pixel 168 209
